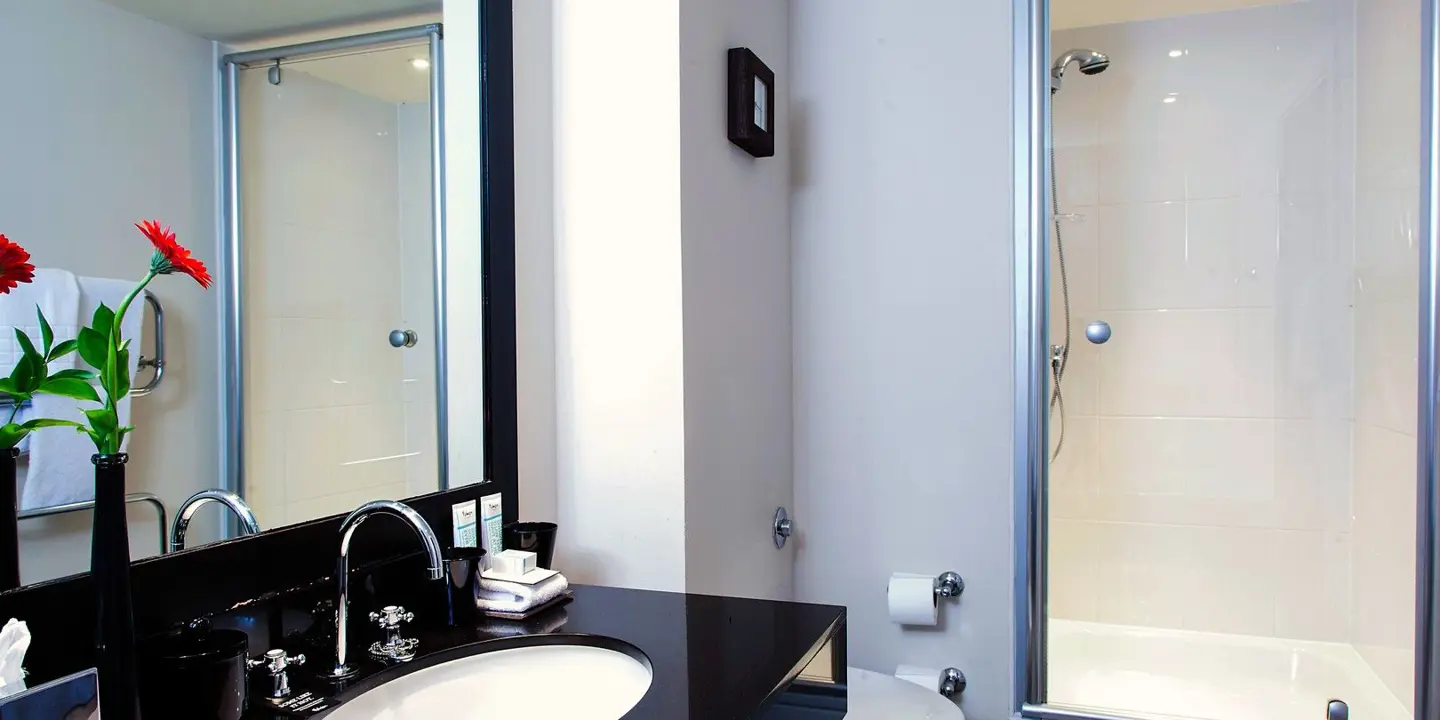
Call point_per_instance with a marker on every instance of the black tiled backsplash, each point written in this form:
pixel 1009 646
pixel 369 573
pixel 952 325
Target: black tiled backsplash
pixel 296 562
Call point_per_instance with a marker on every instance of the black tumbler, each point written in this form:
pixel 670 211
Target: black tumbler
pixel 536 537
pixel 463 566
pixel 194 674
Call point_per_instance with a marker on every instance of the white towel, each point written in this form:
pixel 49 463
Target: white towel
pixel 57 293
pixel 60 470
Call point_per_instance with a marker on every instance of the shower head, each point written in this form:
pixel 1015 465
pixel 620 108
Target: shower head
pixel 1089 61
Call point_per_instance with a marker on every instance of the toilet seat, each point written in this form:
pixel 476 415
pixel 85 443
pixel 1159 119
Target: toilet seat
pixel 876 696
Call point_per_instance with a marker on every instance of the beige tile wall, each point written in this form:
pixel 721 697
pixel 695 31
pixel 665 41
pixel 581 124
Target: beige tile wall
pixel 1205 478
pixel 337 243
pixel 1386 302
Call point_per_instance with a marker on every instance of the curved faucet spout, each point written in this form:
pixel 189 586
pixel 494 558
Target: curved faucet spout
pixel 352 522
pixel 248 523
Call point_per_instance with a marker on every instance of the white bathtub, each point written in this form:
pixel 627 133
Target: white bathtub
pixel 1154 673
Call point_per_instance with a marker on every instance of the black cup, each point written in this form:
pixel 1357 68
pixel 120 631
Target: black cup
pixel 463 566
pixel 195 674
pixel 536 537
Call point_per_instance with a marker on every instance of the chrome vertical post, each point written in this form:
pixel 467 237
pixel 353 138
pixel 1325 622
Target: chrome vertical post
pixel 437 228
pixel 1032 280
pixel 1427 647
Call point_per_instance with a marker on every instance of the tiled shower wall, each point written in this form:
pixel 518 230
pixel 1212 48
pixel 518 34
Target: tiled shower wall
pixel 1387 262
pixel 337 250
pixel 1205 194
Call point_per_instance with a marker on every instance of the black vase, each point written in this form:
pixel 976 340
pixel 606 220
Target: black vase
pixel 9 527
pixel 110 570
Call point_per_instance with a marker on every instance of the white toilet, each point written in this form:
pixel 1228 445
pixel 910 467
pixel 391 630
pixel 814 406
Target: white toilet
pixel 877 696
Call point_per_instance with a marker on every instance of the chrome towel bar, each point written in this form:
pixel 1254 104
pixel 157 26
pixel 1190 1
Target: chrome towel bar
pixel 150 499
pixel 157 362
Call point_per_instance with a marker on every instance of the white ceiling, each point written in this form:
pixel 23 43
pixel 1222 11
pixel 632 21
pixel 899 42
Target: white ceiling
pixel 384 74
pixel 1081 13
pixel 239 20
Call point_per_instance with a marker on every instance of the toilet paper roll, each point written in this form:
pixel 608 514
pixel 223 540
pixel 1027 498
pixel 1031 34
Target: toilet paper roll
pixel 912 599
pixel 928 678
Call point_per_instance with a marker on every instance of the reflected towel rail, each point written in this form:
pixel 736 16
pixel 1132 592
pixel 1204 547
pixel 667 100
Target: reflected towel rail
pixel 148 498
pixel 157 362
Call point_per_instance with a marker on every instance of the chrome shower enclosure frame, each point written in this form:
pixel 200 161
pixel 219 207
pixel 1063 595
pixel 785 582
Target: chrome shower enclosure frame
pixel 232 254
pixel 1031 65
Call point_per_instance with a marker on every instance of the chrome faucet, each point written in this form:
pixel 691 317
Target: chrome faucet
pixel 248 523
pixel 347 530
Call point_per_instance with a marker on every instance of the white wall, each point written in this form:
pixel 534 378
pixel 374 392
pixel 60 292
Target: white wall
pixel 620 390
pixel 654 318
pixel 902 246
pixel 736 225
pixel 113 120
pixel 1387 230
pixel 535 220
pixel 1205 199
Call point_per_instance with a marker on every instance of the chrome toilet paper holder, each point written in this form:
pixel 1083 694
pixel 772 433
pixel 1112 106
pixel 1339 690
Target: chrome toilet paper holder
pixel 950 585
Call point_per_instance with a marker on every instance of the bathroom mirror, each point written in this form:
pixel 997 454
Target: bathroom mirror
pixel 307 379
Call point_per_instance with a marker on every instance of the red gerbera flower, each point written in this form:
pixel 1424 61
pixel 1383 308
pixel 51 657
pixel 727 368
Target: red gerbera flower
pixel 15 267
pixel 170 256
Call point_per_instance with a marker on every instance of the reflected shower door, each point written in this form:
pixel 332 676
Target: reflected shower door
pixel 338 291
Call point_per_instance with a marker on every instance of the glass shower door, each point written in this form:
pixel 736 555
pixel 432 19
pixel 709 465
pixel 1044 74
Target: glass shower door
pixel 1231 515
pixel 338 291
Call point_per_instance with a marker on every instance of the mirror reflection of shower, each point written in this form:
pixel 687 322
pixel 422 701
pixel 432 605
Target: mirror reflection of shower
pixel 1089 62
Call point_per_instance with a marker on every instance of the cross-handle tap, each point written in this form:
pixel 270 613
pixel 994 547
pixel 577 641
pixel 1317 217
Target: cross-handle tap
pixel 352 522
pixel 396 647
pixel 248 523
pixel 276 663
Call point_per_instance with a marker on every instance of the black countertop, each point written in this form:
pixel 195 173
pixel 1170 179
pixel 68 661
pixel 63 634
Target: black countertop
pixel 712 657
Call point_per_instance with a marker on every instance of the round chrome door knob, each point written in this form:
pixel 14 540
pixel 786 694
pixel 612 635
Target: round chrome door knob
pixel 1098 332
pixel 403 338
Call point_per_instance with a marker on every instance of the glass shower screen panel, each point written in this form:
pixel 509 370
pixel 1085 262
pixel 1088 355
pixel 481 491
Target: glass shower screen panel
pixel 338 289
pixel 1232 511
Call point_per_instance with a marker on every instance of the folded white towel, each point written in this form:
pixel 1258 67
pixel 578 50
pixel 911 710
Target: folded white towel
pixel 60 470
pixel 513 598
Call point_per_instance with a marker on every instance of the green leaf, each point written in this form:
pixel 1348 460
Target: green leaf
pixel 7 386
pixel 123 432
pixel 103 420
pixel 71 388
pixel 93 346
pixel 26 346
pixel 38 423
pixel 73 374
pixel 94 438
pixel 47 336
pixel 102 428
pixel 24 376
pixel 11 435
pixel 65 347
pixel 122 375
pixel 103 321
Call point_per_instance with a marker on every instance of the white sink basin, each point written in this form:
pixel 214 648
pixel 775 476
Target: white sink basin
pixel 576 682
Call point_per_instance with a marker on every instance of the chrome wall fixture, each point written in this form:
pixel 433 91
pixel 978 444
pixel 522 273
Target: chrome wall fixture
pixel 232 269
pixel 157 362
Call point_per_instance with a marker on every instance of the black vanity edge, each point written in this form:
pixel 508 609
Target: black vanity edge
pixel 173 589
